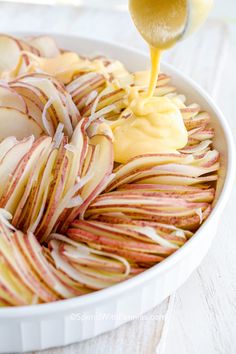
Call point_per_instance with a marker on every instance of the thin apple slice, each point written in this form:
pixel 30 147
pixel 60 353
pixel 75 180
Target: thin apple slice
pixel 18 124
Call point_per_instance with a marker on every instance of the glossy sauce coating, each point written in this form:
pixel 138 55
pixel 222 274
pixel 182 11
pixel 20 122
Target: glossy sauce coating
pixel 156 124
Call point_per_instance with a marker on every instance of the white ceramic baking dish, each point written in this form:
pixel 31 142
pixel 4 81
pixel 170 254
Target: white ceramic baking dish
pixel 64 322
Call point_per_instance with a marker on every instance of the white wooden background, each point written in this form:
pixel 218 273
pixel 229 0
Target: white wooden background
pixel 200 318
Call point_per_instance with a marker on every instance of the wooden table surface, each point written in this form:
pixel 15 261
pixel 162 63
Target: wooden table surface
pixel 200 318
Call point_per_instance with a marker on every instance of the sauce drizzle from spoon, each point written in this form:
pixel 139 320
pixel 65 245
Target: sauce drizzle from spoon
pixel 156 125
